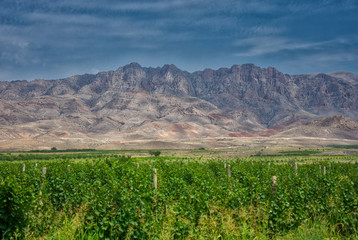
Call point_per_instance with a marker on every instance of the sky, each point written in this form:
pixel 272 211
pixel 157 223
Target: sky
pixel 60 38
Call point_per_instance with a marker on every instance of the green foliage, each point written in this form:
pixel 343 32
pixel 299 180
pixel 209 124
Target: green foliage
pixel 155 153
pixel 344 146
pixel 15 200
pixel 110 197
pixel 54 149
pixel 25 157
pixel 301 153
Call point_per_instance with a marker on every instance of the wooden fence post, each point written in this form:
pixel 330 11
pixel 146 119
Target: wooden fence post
pixel 43 183
pixel 296 169
pixel 229 170
pixel 155 180
pixel 324 170
pixel 273 186
pixel 224 165
pixel 23 167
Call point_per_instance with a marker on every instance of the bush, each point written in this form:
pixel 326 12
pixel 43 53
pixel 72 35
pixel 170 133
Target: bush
pixel 154 153
pixel 15 201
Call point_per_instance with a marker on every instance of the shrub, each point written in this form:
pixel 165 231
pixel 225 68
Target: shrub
pixel 154 153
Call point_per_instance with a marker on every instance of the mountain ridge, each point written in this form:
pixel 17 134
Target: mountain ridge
pixel 165 102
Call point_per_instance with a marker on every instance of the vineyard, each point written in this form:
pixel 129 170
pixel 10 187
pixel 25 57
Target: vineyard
pixel 120 197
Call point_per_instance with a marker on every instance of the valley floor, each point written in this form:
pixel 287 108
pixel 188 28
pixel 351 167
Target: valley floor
pixel 268 144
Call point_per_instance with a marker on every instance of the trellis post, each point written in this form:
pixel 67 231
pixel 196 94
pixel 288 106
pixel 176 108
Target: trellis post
pixel 155 180
pixel 274 181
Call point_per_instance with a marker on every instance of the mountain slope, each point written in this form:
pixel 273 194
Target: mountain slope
pixel 329 127
pixel 165 102
pixel 347 76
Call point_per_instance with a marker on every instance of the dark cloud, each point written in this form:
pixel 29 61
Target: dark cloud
pixel 58 38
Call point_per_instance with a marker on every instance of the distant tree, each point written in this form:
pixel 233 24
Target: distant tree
pixel 154 153
pixel 53 149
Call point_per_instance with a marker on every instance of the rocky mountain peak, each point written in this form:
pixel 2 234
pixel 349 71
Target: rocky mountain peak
pixel 133 65
pixel 130 66
pixel 244 67
pixel 170 67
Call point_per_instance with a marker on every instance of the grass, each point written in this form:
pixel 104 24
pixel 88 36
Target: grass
pixel 62 150
pixel 224 153
pixel 344 146
pixel 220 224
pixel 300 153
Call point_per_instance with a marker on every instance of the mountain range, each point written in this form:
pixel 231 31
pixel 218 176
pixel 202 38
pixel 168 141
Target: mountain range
pixel 135 102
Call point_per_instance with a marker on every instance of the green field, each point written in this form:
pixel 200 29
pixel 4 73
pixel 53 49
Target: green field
pixel 92 194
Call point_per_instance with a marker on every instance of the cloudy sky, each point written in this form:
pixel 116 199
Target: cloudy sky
pixel 59 38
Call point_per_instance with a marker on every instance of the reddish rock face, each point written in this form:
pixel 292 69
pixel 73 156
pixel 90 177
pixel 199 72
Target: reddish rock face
pixel 244 100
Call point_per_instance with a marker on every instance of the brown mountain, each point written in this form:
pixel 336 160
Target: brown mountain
pixel 136 102
pixel 348 76
pixel 328 127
